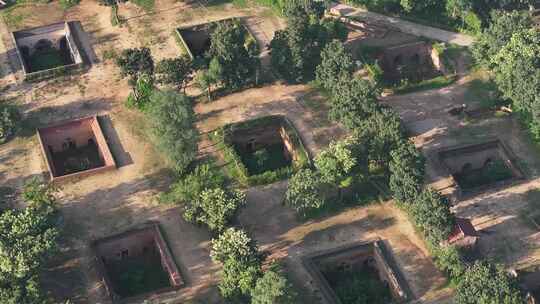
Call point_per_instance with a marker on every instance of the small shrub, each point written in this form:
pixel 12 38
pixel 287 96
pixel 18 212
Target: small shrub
pixel 8 122
pixel 65 4
pixel 273 288
pixel 238 279
pixel 188 189
pixel 214 208
pixel 305 192
pixel 233 244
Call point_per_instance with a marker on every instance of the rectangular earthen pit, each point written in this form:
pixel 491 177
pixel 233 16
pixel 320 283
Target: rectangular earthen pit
pixel 265 144
pixel 44 50
pixel 75 148
pixel 366 268
pixel 136 263
pixel 196 39
pixel 480 166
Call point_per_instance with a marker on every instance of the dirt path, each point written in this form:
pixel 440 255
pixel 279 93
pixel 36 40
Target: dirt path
pixel 407 26
pixel 279 233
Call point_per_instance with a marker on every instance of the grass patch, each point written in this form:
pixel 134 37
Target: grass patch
pixel 492 172
pixel 137 275
pixel 13 19
pixel 47 60
pixel 430 84
pixel 360 286
pixel 147 5
pixel 482 92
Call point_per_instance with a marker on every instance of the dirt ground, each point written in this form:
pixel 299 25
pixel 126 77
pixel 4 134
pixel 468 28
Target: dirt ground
pixel 497 213
pixel 109 203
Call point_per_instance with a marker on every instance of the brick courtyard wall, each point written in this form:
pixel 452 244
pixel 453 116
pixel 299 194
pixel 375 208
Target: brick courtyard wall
pixel 79 131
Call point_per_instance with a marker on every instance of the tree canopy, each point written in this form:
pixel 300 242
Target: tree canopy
pixel 175 72
pixel 27 239
pixel 135 62
pixel 485 283
pixel 273 288
pixel 172 120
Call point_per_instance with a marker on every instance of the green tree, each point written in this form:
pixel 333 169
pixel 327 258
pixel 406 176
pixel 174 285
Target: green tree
pixel 175 72
pixel 407 169
pixel 385 132
pixel 353 100
pixel 27 240
pixel 449 260
pixel 501 28
pixel 238 279
pixel 296 50
pixel 485 283
pixel 273 288
pixel 135 62
pixel 172 120
pixel 188 188
pixel 214 208
pixel 431 213
pixel 233 244
pixel 305 191
pixel 339 161
pixel 238 58
pixel 336 64
pixel 517 74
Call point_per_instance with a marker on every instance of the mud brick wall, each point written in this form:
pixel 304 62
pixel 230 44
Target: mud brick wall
pixel 104 151
pixel 79 131
pixel 29 38
pixel 411 53
pixel 475 155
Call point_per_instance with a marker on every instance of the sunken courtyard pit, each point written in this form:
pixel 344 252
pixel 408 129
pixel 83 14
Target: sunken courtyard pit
pixel 365 271
pixel 75 148
pixel 262 147
pixel 196 39
pixel 480 166
pixel 48 50
pixel 136 263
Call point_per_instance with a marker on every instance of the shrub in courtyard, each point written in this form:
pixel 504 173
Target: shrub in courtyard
pixel 273 288
pixel 484 283
pixel 27 240
pixel 305 191
pixel 172 127
pixel 214 208
pixel 238 279
pixel 233 244
pixel 175 72
pixel 135 62
pixel 238 56
pixel 188 188
pixel 65 4
pixel 431 213
pixel 8 122
pixel 406 172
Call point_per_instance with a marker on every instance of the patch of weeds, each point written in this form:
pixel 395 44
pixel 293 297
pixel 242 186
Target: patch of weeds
pixel 430 84
pixel 482 91
pixel 109 54
pixel 13 18
pixel 147 5
pixel 67 4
